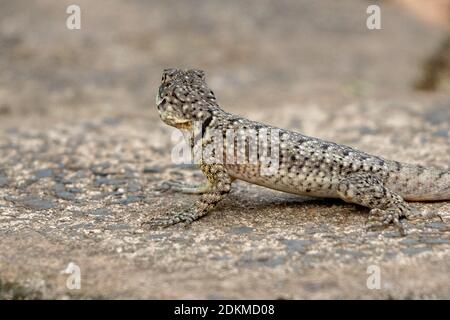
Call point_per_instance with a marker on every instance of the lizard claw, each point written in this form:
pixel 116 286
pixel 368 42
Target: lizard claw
pixel 380 219
pixel 185 218
pixel 383 218
pixel 177 186
pixel 165 186
pixel 418 215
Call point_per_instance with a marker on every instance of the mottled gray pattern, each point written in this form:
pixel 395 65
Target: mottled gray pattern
pixel 306 165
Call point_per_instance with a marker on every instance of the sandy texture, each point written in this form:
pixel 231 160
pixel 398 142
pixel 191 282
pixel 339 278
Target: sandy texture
pixel 83 152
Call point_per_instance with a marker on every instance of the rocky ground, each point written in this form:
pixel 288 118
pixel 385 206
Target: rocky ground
pixel 83 152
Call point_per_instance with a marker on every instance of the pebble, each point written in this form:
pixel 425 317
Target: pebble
pixel 43 173
pixel 36 203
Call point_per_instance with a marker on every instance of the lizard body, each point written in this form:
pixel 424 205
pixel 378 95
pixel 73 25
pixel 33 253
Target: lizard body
pixel 304 165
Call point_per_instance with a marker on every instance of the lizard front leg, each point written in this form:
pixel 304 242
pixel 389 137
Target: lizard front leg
pixel 220 185
pixel 386 206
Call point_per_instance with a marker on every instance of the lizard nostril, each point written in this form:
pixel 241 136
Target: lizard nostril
pixel 160 102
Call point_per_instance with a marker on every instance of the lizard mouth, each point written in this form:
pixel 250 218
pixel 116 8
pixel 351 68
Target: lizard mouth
pixel 168 116
pixel 174 121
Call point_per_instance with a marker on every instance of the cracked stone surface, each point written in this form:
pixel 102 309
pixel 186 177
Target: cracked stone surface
pixel 83 152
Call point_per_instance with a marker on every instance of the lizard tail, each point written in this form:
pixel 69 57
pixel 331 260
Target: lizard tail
pixel 418 183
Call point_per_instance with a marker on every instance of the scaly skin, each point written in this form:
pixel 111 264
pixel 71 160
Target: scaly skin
pixel 305 165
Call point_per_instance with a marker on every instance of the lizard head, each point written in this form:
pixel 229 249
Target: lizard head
pixel 183 97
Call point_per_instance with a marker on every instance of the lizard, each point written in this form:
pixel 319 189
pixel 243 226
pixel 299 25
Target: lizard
pixel 306 165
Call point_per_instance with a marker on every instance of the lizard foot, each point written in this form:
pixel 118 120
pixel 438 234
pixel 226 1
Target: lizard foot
pixel 420 215
pixel 177 186
pixel 183 217
pixel 383 218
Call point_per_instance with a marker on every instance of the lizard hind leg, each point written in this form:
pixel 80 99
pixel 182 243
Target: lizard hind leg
pixel 386 206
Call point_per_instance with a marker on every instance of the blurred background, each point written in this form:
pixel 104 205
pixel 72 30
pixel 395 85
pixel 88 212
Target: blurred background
pixel 258 55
